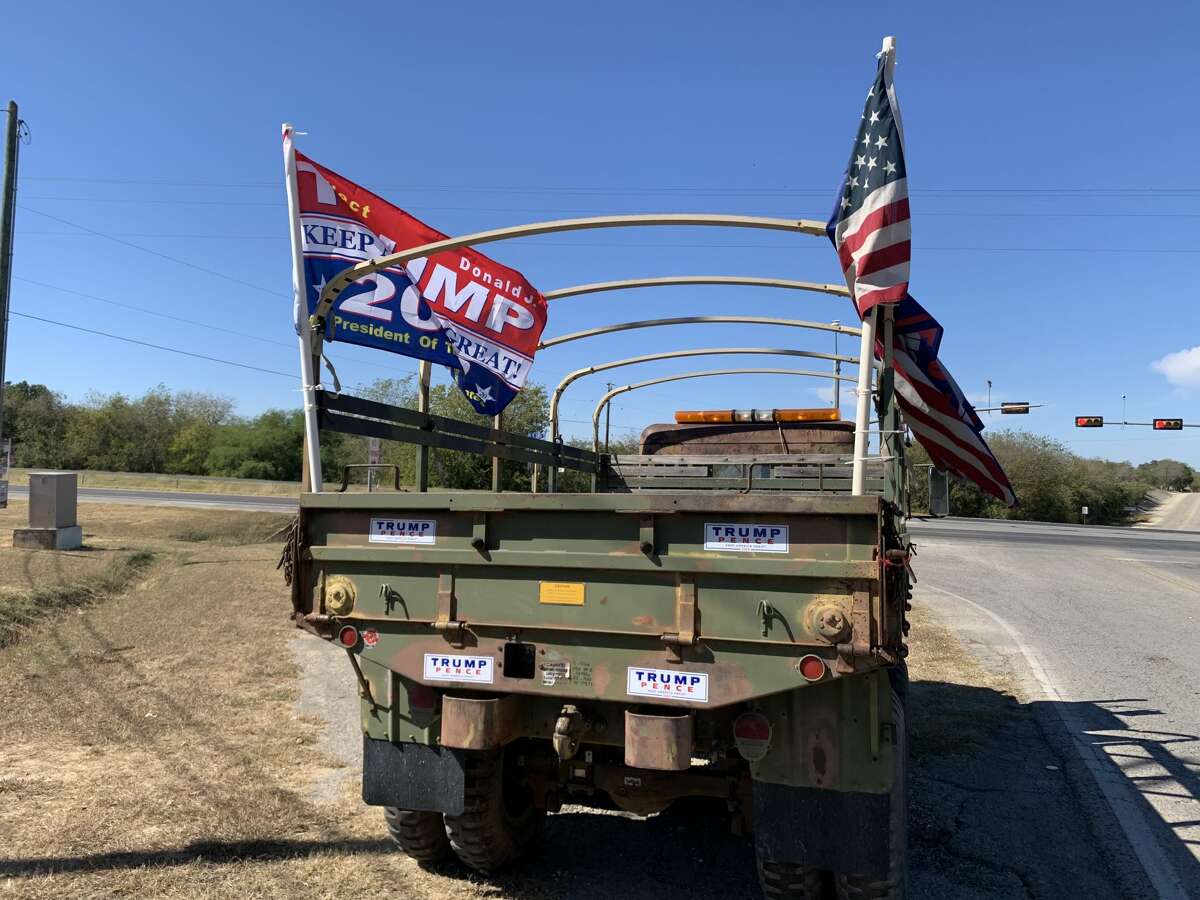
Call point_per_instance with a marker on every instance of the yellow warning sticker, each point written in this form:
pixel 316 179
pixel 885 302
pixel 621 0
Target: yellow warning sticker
pixel 564 593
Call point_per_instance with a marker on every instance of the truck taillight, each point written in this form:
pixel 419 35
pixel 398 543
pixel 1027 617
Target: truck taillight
pixel 348 636
pixel 812 667
pixel 729 416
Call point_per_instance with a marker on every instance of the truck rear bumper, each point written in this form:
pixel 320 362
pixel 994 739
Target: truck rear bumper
pixel 413 776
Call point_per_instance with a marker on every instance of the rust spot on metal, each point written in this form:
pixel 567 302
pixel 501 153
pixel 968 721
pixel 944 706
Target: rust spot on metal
pixel 601 678
pixel 821 757
pixel 644 620
pixel 478 723
pixel 818 760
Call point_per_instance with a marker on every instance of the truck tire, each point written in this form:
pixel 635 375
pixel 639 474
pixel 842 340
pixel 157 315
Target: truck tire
pixel 422 835
pixel 789 881
pixel 499 821
pixel 894 886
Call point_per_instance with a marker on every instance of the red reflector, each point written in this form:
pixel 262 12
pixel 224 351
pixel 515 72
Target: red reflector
pixel 752 735
pixel 422 697
pixel 812 668
pixel 348 636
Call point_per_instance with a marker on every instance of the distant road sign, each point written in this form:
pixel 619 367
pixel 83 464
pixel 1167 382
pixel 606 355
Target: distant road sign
pixel 1014 409
pixel 1089 421
pixel 1168 424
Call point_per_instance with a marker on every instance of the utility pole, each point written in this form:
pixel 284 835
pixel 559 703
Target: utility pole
pixel 8 211
pixel 607 414
pixel 989 397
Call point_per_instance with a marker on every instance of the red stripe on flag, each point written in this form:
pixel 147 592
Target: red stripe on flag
pixel 950 463
pixel 973 444
pixel 978 451
pixel 930 394
pixel 893 294
pixel 947 459
pixel 892 214
pixel 884 258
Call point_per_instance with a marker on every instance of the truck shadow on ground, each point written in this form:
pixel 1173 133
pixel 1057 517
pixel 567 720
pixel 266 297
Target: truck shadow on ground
pixel 999 808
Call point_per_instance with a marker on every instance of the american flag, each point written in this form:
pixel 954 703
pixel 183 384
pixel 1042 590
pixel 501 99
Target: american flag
pixel 872 232
pixel 934 407
pixel 870 226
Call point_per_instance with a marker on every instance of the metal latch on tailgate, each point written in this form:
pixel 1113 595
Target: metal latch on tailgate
pixel 445 621
pixel 686 618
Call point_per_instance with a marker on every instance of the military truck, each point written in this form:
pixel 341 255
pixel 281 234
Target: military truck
pixel 720 616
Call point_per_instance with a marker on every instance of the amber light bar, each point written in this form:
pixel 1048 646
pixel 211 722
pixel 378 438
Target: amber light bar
pixel 727 416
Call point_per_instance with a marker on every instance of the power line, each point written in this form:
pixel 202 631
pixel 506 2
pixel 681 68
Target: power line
pixel 538 242
pixel 117 337
pixel 1086 191
pixel 574 209
pixel 152 312
pixel 211 327
pixel 174 259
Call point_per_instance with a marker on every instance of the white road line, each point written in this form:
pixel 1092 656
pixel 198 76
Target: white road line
pixel 1113 785
pixel 1166 561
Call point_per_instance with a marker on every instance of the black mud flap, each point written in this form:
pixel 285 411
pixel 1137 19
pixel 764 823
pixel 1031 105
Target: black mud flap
pixel 413 776
pixel 843 831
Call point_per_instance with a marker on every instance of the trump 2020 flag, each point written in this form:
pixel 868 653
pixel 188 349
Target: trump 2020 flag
pixel 459 308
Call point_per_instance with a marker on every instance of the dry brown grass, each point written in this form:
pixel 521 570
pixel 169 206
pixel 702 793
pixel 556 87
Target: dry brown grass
pixel 151 746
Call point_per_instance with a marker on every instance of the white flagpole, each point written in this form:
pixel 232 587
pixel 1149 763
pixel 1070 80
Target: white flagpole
pixel 312 446
pixel 866 353
pixel 862 415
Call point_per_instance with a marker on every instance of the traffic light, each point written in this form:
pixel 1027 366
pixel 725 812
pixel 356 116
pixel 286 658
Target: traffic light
pixel 1014 409
pixel 1089 421
pixel 1168 424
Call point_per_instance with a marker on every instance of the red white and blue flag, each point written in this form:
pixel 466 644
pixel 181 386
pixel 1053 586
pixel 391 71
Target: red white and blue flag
pixel 872 233
pixel 459 308
pixel 934 407
pixel 870 227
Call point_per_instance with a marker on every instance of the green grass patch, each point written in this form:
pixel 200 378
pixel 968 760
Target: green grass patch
pixel 19 610
pixel 237 529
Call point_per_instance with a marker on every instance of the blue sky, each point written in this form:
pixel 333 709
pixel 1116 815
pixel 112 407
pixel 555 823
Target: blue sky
pixel 1055 210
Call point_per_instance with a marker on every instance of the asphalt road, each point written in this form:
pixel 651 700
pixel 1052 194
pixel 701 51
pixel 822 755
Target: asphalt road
pixel 187 499
pixel 1180 511
pixel 1104 627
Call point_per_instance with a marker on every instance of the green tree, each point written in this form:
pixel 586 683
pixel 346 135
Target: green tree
pixel 1052 483
pixel 528 414
pixel 1167 474
pixel 35 417
pixel 268 446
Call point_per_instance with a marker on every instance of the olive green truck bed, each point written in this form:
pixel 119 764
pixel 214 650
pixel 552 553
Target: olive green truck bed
pixel 637 648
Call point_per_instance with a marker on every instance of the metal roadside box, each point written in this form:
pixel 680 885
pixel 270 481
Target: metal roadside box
pixel 52 499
